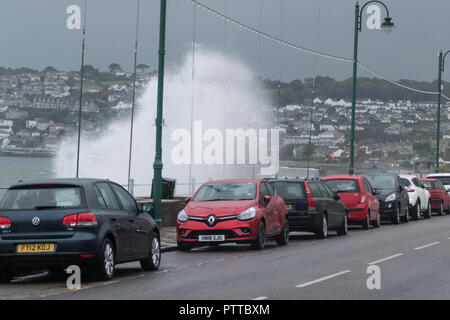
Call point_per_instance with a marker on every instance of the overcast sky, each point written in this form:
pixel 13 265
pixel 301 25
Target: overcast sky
pixel 34 34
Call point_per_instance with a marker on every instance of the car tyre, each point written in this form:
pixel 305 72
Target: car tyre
pixel 152 262
pixel 396 217
pixel 366 224
pixel 441 209
pixel 283 238
pixel 405 217
pixel 427 214
pixel 322 231
pixel 5 276
pixel 260 241
pixel 343 230
pixel 104 268
pixel 377 223
pixel 416 211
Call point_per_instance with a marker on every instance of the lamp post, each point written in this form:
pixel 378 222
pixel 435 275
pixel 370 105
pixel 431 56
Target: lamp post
pixel 387 25
pixel 158 165
pixel 438 131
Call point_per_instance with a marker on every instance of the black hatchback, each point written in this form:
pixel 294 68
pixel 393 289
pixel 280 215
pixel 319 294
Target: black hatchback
pixel 312 206
pixel 92 223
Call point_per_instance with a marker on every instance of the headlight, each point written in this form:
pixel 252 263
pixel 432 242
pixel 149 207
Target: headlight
pixel 182 216
pixel 248 214
pixel 390 197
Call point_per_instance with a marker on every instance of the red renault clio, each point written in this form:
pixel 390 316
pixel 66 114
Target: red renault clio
pixel 233 211
pixel 359 198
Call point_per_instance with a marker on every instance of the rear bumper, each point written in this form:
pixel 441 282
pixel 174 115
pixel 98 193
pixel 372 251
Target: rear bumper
pixel 356 215
pixel 304 221
pixel 67 251
pixel 435 203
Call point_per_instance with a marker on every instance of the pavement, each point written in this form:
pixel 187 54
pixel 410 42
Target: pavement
pixel 168 237
pixel 412 258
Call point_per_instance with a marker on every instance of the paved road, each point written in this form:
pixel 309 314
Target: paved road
pixel 414 260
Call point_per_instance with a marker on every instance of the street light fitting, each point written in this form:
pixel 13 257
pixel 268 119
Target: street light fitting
pixel 387 25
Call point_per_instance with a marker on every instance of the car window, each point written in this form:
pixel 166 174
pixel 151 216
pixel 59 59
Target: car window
pixel 382 181
pixel 315 191
pixel 323 190
pixel 108 196
pixel 416 182
pixel 343 185
pixel 271 189
pixel 226 191
pixel 126 199
pixel 405 182
pixel 367 185
pixel 290 190
pixel 100 199
pixel 328 190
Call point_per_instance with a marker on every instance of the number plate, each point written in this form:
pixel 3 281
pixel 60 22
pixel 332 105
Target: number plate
pixel 35 247
pixel 211 238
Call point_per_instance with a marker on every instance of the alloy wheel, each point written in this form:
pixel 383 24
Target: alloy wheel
pixel 156 251
pixel 109 259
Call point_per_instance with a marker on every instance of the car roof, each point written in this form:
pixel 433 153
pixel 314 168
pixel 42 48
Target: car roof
pixel 236 180
pixel 66 181
pixel 408 176
pixel 428 179
pixel 343 176
pixel 432 175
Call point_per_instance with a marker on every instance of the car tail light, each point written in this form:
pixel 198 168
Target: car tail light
pixel 86 219
pixel 311 202
pixel 5 223
pixel 410 189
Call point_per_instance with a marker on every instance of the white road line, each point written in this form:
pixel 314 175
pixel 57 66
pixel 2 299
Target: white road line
pixel 427 245
pixel 386 259
pixel 261 298
pixel 322 279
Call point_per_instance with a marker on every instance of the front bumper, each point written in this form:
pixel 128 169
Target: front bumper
pixel 235 231
pixel 387 209
pixel 68 251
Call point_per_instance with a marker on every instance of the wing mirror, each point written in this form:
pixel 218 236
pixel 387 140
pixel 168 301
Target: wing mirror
pixel 337 197
pixel 147 208
pixel 187 200
pixel 267 199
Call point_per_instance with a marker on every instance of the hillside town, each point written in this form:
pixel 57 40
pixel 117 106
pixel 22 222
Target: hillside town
pixel 37 109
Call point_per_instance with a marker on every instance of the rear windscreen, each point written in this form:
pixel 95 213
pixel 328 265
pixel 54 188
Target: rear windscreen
pixel 290 190
pixel 42 197
pixel 343 185
pixel 444 180
pixel 431 184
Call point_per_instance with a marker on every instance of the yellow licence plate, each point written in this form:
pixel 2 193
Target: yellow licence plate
pixel 35 247
pixel 288 206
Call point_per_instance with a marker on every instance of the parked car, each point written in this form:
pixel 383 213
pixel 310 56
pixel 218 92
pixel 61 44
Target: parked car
pixel 440 199
pixel 312 206
pixel 236 211
pixel 419 197
pixel 359 198
pixel 443 177
pixel 392 196
pixel 92 223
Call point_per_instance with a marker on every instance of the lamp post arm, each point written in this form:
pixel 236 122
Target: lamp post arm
pixel 443 60
pixel 364 6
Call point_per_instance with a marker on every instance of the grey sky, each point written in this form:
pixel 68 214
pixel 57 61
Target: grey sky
pixel 34 34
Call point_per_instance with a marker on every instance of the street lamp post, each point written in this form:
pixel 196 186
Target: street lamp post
pixel 158 165
pixel 438 131
pixel 386 25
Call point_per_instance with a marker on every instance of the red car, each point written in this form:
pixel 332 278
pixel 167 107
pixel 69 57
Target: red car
pixel 359 198
pixel 440 200
pixel 233 211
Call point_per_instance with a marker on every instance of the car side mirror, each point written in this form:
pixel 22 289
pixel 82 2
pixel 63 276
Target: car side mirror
pixel 147 208
pixel 337 197
pixel 267 199
pixel 187 200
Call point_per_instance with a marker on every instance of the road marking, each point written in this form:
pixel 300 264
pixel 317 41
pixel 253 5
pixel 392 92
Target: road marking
pixel 386 259
pixel 322 279
pixel 261 298
pixel 427 245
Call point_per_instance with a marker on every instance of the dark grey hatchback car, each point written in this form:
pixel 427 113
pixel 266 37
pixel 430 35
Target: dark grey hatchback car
pixel 92 223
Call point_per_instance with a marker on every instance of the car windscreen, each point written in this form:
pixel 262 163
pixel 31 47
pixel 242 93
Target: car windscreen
pixel 343 185
pixel 290 190
pixel 226 191
pixel 385 182
pixel 42 197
